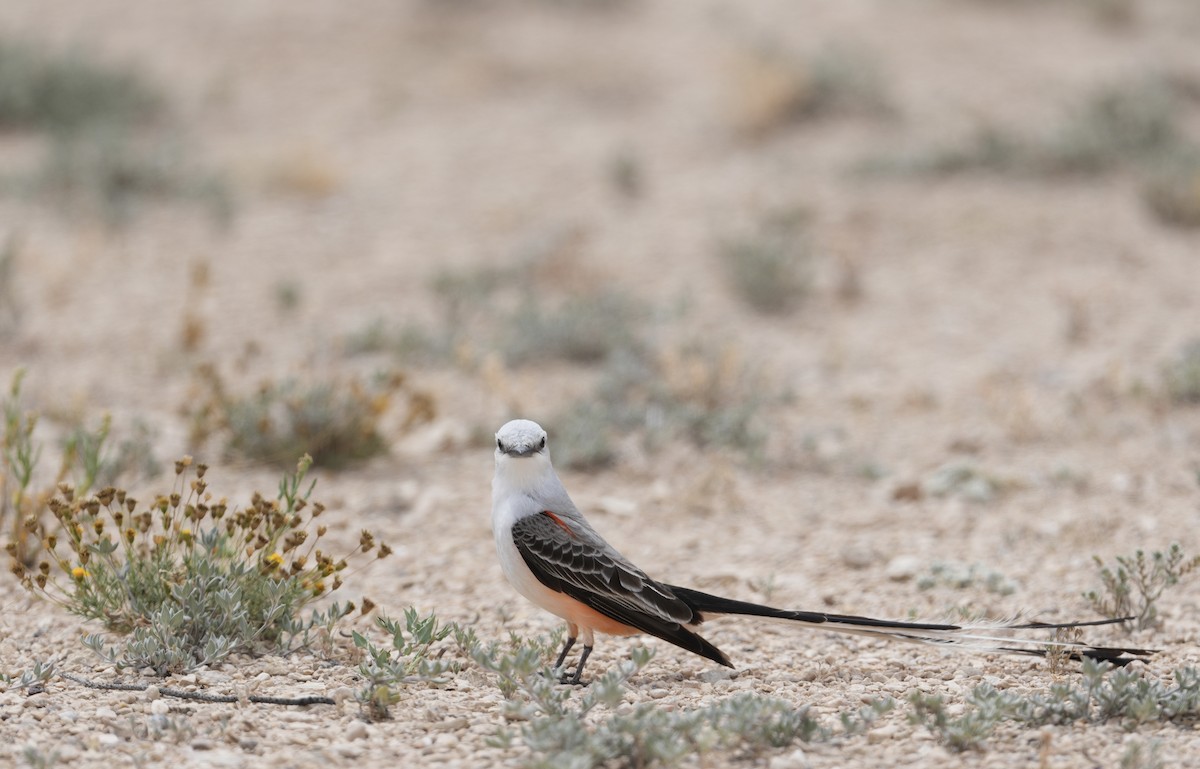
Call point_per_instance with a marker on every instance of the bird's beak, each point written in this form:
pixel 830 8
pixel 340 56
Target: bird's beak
pixel 524 451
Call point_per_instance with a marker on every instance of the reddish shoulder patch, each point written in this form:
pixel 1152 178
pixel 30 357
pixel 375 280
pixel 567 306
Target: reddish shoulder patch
pixel 561 523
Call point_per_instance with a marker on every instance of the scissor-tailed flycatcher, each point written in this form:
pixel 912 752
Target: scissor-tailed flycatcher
pixel 553 557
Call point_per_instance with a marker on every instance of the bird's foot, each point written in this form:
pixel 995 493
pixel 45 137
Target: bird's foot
pixel 572 679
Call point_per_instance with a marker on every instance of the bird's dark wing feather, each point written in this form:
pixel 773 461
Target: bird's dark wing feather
pixel 601 579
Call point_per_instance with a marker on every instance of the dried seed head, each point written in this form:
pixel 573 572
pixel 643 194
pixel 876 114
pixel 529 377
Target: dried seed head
pixel 182 464
pixel 367 605
pixel 201 469
pixel 384 551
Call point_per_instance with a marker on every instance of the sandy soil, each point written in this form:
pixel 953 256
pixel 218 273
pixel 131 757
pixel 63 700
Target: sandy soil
pixel 1017 325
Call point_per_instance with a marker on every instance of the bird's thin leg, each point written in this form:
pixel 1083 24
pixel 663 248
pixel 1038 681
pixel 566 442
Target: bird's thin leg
pixel 576 679
pixel 563 656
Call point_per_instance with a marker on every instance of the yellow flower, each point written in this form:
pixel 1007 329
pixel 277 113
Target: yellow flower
pixel 79 572
pixel 275 559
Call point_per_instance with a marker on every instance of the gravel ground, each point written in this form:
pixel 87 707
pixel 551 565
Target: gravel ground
pixel 1015 326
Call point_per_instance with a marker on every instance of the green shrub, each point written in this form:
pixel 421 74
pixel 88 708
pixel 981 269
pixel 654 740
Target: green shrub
pixel 1181 376
pixel 187 578
pixel 387 671
pixel 768 268
pixel 46 90
pixel 1132 586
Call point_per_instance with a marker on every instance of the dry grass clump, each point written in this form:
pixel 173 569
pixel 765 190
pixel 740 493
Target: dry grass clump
pixel 768 268
pixel 336 421
pixel 772 88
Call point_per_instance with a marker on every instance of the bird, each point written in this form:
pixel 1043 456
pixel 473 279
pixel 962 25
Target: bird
pixel 554 558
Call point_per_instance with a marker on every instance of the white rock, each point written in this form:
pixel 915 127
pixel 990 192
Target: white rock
pixel 159 708
pixel 106 713
pixel 108 740
pixel 903 567
pixel 794 760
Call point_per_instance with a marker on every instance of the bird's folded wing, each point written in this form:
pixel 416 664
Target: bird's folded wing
pixel 594 574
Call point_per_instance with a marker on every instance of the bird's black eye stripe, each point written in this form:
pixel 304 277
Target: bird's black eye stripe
pixel 500 444
pixel 543 444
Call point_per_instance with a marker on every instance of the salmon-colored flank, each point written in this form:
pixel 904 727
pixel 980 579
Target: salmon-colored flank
pixel 560 522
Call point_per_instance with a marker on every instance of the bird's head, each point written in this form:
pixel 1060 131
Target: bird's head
pixel 522 458
pixel 521 439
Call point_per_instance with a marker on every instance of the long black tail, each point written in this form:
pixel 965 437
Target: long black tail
pixel 980 636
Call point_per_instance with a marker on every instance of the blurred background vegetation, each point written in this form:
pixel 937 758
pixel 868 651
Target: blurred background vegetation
pixel 739 230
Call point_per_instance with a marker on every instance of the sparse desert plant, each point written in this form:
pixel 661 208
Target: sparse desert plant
pixel 337 422
pixel 86 457
pixel 1133 585
pixel 1181 376
pixel 1101 693
pixel 189 579
pixel 773 88
pixel 110 172
pixel 768 268
pixel 1129 124
pixel 107 147
pixel 40 673
pixel 64 91
pixel 962 576
pixel 1142 754
pixel 1173 194
pixel 408 661
pixel 963 479
pixel 702 394
pixel 968 731
pixel 587 329
pixel 10 308
pixel 409 343
pixel 588 730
